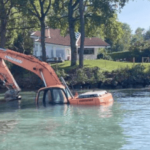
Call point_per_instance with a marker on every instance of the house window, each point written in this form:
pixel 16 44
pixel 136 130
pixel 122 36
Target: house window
pixel 60 53
pixel 88 51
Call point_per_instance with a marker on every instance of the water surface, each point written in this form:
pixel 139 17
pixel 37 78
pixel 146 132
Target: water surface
pixel 123 126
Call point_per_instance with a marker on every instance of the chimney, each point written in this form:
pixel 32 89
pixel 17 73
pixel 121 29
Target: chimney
pixel 48 32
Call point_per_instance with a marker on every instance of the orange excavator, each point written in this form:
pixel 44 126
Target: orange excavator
pixel 54 92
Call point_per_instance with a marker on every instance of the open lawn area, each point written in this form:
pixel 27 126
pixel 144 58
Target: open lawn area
pixel 105 65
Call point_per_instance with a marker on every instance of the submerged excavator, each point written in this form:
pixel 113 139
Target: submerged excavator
pixel 54 92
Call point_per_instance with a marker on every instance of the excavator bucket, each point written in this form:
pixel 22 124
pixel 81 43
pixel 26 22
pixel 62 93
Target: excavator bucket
pixel 12 95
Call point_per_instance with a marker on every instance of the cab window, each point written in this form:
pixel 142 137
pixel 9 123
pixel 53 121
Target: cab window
pixel 40 98
pixel 48 96
pixel 52 96
pixel 59 96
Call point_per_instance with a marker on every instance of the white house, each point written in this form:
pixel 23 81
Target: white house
pixel 58 46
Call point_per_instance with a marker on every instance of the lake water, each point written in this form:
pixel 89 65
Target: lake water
pixel 123 126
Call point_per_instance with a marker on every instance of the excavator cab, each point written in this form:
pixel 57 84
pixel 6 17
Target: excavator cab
pixel 52 95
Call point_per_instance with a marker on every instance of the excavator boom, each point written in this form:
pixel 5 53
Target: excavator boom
pixel 42 69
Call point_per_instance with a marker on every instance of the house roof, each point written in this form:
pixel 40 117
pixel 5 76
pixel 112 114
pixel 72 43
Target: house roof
pixel 53 37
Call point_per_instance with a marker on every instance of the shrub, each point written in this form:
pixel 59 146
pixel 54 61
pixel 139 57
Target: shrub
pixel 120 55
pixel 131 76
pixel 104 56
pixel 86 76
pixel 61 73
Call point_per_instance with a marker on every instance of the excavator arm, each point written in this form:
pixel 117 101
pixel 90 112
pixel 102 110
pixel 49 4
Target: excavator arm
pixel 6 77
pixel 42 69
pixel 9 82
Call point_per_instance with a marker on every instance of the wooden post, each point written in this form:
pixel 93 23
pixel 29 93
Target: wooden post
pixel 133 59
pixel 145 59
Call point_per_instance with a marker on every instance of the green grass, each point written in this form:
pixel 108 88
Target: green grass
pixel 105 65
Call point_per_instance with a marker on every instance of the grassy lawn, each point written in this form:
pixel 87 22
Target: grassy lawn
pixel 105 65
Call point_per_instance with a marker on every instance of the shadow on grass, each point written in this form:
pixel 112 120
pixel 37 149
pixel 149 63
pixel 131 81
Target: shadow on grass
pixel 67 67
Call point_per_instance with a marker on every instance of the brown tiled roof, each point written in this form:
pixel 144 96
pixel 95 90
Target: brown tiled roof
pixel 94 41
pixel 56 38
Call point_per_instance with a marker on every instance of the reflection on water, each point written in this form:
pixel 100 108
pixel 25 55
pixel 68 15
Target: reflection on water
pixel 6 126
pixel 123 125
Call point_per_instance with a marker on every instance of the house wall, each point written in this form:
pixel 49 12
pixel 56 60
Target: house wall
pixel 64 52
pixel 36 50
pixel 52 51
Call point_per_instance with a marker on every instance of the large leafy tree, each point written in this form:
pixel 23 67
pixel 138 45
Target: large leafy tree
pixel 140 41
pixel 113 32
pixel 12 23
pixel 25 26
pixel 138 36
pixel 40 9
pixel 92 14
pixel 8 16
pixel 123 43
pixel 147 35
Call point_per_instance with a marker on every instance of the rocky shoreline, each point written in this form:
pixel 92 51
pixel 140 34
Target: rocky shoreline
pixel 91 78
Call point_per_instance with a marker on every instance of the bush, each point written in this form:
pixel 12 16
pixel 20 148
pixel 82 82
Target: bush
pixel 61 73
pixel 130 77
pixel 86 76
pixel 104 56
pixel 136 51
pixel 121 55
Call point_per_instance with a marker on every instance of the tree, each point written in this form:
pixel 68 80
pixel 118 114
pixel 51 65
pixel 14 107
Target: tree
pixel 138 36
pixel 147 35
pixel 23 43
pixel 7 13
pixel 95 13
pixel 71 20
pixel 25 26
pixel 12 23
pixel 82 29
pixel 39 9
pixel 123 43
pixel 112 32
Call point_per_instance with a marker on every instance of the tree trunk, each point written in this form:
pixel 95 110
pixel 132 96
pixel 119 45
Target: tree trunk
pixel 43 39
pixel 81 10
pixel 3 33
pixel 73 47
pixel 72 36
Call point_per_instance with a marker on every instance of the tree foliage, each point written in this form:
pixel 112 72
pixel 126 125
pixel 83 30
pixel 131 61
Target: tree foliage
pixel 40 9
pixel 8 15
pixel 124 40
pixel 138 36
pixel 147 35
pixel 97 13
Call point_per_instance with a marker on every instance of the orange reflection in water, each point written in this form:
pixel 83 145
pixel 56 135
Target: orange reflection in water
pixel 105 111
